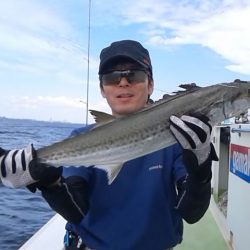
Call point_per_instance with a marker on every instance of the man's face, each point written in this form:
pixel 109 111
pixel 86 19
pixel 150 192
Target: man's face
pixel 125 97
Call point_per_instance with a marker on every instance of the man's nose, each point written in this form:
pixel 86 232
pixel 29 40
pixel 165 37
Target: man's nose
pixel 123 82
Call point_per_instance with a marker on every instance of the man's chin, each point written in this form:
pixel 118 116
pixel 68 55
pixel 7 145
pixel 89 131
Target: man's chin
pixel 124 112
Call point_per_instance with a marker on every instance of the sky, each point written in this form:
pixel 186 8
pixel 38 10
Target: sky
pixel 44 49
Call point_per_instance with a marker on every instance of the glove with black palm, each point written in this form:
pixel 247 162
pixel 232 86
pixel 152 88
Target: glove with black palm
pixel 20 168
pixel 193 132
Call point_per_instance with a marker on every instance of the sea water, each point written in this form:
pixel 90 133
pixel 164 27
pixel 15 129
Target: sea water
pixel 22 213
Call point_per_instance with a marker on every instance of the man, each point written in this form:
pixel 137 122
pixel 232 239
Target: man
pixel 144 207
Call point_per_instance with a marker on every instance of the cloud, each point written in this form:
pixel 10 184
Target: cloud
pixel 41 37
pixel 42 40
pixel 59 108
pixel 34 102
pixel 220 25
pixel 45 40
pixel 225 31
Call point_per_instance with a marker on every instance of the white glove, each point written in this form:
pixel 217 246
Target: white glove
pixel 14 167
pixel 193 133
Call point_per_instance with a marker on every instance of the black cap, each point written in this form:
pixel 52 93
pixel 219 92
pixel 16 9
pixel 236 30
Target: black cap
pixel 128 49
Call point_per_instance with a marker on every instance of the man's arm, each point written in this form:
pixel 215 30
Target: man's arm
pixel 194 195
pixel 67 196
pixel 194 190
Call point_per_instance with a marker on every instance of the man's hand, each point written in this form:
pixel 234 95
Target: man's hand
pixel 193 132
pixel 20 168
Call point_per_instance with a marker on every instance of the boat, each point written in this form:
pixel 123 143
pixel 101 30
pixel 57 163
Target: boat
pixel 231 183
pixel 49 237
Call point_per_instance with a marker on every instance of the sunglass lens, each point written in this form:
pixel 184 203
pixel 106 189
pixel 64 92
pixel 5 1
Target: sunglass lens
pixel 111 78
pixel 132 76
pixel 136 76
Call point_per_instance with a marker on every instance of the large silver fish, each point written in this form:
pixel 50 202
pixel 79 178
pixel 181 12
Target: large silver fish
pixel 109 145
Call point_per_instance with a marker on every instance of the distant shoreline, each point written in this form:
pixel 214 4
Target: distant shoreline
pixel 39 121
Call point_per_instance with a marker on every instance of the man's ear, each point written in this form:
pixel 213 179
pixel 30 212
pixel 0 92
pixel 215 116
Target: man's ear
pixel 103 92
pixel 150 87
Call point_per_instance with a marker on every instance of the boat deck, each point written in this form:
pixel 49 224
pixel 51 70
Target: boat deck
pixel 204 235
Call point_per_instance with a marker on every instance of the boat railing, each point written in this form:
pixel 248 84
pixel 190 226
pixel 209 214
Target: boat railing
pixel 240 130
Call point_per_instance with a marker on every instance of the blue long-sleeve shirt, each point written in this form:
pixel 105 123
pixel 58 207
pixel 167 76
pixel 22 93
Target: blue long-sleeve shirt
pixel 142 208
pixel 137 211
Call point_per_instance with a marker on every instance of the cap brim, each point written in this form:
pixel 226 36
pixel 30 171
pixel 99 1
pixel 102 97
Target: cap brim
pixel 113 58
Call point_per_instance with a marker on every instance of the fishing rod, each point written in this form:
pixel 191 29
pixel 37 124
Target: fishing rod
pixel 87 90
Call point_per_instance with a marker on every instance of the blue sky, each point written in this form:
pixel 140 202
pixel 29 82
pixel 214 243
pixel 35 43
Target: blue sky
pixel 44 45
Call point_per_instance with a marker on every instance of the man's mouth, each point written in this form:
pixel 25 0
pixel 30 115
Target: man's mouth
pixel 125 95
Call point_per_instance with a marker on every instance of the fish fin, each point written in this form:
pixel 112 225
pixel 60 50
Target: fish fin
pixel 111 170
pixel 188 87
pixel 101 117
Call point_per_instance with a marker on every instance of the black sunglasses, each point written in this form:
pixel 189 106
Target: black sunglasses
pixel 132 76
